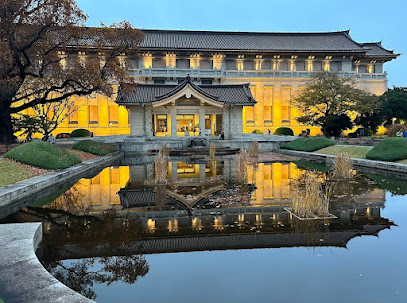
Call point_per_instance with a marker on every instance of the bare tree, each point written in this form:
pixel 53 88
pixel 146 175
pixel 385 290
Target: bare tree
pixel 51 115
pixel 41 42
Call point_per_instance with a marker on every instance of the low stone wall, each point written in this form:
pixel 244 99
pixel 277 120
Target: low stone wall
pixel 329 160
pixel 9 195
pixel 23 279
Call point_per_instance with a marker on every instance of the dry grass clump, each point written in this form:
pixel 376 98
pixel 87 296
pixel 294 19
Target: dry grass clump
pixel 309 197
pixel 342 166
pixel 161 168
pixel 212 151
pixel 254 149
pixel 241 167
pixel 165 150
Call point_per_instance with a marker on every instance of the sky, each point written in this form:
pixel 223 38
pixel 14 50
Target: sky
pixel 368 20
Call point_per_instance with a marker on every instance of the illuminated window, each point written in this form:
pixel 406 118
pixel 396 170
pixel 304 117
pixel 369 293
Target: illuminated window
pixel 114 176
pixel 249 114
pixel 267 114
pixel 170 60
pixel 194 61
pixel 257 62
pixel 62 61
pixel 147 60
pixel 113 114
pixel 218 61
pixel 93 114
pixel 310 66
pixel 73 117
pixel 239 62
pixel 161 123
pixel 326 66
pixel 292 65
pixel 239 65
pixel 285 113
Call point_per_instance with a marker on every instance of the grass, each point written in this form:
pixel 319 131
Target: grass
pixel 253 149
pixel 342 166
pixel 43 155
pixel 308 144
pixel 390 149
pixel 212 151
pixel 161 168
pixel 309 198
pixel 352 151
pixel 12 172
pixel 94 147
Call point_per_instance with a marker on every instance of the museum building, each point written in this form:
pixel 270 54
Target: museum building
pixel 203 83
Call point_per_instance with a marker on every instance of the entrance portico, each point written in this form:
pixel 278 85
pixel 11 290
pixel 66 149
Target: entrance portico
pixel 186 109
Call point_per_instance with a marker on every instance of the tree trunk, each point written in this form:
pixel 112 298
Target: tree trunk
pixel 6 127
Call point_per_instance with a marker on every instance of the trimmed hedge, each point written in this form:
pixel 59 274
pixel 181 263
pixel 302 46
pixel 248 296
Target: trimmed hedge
pixel 80 132
pixel 257 131
pixel 94 147
pixel 285 131
pixel 43 155
pixel 390 149
pixel 308 144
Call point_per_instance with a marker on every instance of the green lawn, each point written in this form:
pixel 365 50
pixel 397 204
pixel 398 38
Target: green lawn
pixel 43 155
pixel 11 172
pixel 353 151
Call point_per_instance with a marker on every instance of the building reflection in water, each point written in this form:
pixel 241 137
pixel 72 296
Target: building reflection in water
pixel 120 214
pixel 201 198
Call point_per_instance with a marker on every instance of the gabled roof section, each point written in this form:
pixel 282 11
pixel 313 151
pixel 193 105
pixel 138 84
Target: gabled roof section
pixel 250 41
pixel 180 87
pixel 375 49
pixel 143 94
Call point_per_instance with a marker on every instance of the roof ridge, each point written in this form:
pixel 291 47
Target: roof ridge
pixel 245 32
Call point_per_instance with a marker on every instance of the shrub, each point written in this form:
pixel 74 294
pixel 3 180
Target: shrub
pixel 308 144
pixel 257 131
pixel 393 129
pixel 43 155
pixel 94 147
pixel 81 132
pixel 353 135
pixel 390 149
pixel 285 131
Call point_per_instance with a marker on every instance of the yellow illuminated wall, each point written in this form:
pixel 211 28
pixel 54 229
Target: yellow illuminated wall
pixel 99 114
pixel 100 192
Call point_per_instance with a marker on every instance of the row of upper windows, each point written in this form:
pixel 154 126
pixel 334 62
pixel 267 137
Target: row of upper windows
pixel 241 63
pixel 280 65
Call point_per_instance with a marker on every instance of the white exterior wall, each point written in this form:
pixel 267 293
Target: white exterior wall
pixel 136 120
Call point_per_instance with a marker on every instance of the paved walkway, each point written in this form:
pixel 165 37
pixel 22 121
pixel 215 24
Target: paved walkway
pixel 22 277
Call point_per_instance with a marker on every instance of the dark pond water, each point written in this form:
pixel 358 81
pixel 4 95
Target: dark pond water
pixel 203 237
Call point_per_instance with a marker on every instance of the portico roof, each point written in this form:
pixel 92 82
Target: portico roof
pixel 236 94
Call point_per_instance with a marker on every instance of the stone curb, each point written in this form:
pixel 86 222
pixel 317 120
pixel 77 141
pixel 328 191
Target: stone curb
pixel 23 279
pixel 28 187
pixel 329 159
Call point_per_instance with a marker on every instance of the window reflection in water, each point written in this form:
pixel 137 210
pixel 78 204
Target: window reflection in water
pixel 118 212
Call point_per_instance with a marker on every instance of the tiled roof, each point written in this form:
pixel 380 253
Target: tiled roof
pixel 238 94
pixel 375 49
pixel 250 41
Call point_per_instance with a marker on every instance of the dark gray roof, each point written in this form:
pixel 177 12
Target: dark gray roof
pixel 250 41
pixel 236 94
pixel 375 49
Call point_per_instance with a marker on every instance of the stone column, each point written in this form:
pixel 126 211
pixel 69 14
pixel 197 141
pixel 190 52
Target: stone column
pixel 225 122
pixel 202 172
pixel 173 121
pixel 202 120
pixel 149 122
pixel 174 166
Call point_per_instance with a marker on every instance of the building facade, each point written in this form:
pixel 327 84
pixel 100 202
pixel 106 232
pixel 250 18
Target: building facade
pixel 274 66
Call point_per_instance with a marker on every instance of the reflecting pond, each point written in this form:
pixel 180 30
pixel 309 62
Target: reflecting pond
pixel 204 237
